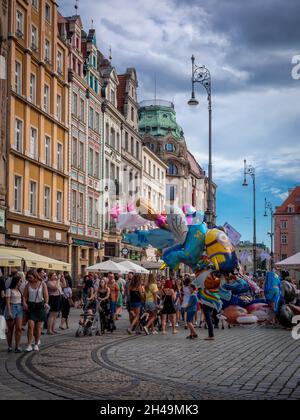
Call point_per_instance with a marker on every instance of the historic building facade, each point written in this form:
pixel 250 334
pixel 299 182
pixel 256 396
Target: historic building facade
pixel 186 182
pixel 287 227
pixel 37 201
pixel 4 51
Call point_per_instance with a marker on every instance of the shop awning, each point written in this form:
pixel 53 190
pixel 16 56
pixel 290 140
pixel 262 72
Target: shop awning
pixel 9 260
pixel 31 259
pixel 292 263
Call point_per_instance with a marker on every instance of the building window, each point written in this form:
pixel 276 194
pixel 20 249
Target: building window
pixel 59 198
pixel 113 138
pixel 158 174
pixel 132 114
pixel 107 169
pixel 284 239
pixel 33 88
pixel 34 38
pixel 126 141
pixel 171 192
pixel 48 13
pixel 17 193
pixel 290 209
pixel 32 198
pixel 97 122
pixel 80 208
pixel 47 202
pixel 35 4
pixel 97 166
pixel 82 109
pixel 74 107
pixel 145 163
pixel 107 133
pixel 118 141
pixel 173 169
pixel 47 150
pixel 19 135
pixel 74 152
pixel 60 157
pixel 284 224
pixel 170 147
pixel 58 108
pixel 18 78
pixel 33 143
pixel 81 156
pixel 149 167
pixel 47 51
pixel 74 205
pixel 113 97
pixel 90 211
pixel 137 150
pixel 19 23
pixel 154 171
pixel 91 118
pixel 91 162
pixel 132 146
pixel 59 62
pixel 46 98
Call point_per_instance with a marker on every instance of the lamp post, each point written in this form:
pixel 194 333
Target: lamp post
pixel 250 170
pixel 200 74
pixel 269 206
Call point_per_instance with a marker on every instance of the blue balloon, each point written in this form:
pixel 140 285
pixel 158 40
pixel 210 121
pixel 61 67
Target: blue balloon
pixel 191 251
pixel 273 292
pixel 158 238
pixel 238 287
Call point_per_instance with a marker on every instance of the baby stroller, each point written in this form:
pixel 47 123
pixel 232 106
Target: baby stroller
pixel 88 322
pixel 106 317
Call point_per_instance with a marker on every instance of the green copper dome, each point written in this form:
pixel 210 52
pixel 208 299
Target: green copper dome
pixel 158 119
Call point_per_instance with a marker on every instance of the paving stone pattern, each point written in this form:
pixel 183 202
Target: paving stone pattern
pixel 243 363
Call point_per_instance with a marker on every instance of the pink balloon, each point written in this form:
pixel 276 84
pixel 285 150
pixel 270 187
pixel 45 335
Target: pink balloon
pixel 130 207
pixel 115 211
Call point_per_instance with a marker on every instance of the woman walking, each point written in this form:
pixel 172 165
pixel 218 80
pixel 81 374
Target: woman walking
pixel 14 313
pixel 35 303
pixel 54 291
pixel 102 295
pixel 186 297
pixel 168 296
pixel 191 311
pixel 151 291
pixel 66 306
pixel 136 299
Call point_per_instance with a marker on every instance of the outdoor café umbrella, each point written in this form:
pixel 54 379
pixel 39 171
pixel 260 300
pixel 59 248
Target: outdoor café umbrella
pixel 291 263
pixel 134 268
pixel 108 267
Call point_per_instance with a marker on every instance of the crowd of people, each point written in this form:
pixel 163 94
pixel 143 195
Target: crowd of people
pixel 34 299
pixel 155 304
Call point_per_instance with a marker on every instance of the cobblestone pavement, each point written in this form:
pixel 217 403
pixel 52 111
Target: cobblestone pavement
pixel 243 363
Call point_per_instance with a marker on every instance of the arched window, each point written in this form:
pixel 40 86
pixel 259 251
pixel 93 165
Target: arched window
pixel 173 169
pixel 170 147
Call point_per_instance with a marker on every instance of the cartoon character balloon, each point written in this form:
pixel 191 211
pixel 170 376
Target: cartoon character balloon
pixel 221 251
pixel 191 251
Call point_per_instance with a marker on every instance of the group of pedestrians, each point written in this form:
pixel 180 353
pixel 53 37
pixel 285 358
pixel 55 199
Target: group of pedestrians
pixel 166 302
pixel 34 299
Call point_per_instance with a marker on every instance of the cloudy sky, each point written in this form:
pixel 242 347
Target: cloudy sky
pixel 248 47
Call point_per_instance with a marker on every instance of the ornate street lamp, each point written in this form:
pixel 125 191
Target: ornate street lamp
pixel 200 74
pixel 250 170
pixel 269 206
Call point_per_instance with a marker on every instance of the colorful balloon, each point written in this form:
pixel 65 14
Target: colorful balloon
pixel 273 292
pixel 220 251
pixel 158 238
pixel 232 313
pixel 191 251
pixel 177 223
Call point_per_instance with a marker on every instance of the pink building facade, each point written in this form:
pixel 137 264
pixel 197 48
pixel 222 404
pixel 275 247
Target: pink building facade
pixel 287 227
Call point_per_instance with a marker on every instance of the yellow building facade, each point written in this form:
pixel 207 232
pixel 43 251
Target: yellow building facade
pixel 37 215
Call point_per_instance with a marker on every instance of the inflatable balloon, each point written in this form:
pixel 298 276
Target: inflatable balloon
pixel 158 238
pixel 247 320
pixel 191 251
pixel 238 287
pixel 131 221
pixel 273 292
pixel 220 251
pixel 285 316
pixel 288 291
pixel 189 212
pixel 177 223
pixel 207 280
pixel 145 210
pixel 115 211
pixel 232 313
